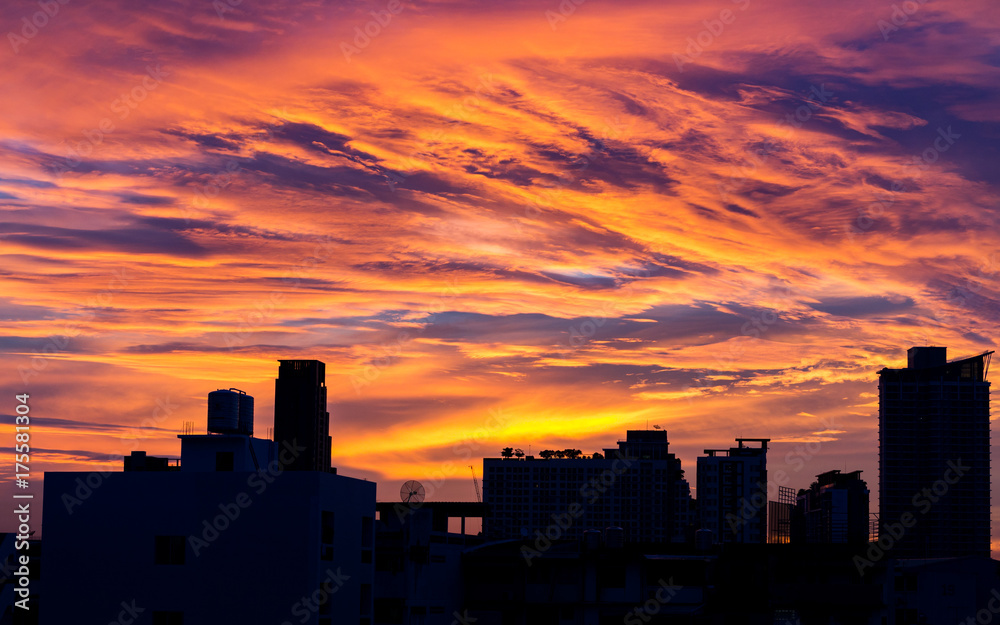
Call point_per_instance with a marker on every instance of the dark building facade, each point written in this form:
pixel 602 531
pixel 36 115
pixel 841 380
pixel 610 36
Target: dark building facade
pixel 300 413
pixel 833 510
pixel 934 454
pixel 732 492
pixel 638 489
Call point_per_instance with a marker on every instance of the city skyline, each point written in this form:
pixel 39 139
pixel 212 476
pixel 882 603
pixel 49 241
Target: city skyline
pixel 447 482
pixel 506 225
pixel 575 537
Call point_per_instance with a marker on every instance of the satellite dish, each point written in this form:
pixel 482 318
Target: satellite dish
pixel 412 492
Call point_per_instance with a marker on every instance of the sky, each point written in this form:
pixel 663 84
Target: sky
pixel 526 224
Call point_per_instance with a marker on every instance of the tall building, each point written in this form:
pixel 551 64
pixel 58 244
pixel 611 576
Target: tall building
pixel 638 487
pixel 732 492
pixel 300 412
pixel 934 454
pixel 833 510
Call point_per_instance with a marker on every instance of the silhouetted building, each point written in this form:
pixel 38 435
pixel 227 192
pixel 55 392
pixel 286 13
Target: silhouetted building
pixel 233 536
pixel 834 509
pixel 934 454
pixel 139 461
pixel 300 413
pixel 573 583
pixel 732 492
pixel 418 561
pixel 638 487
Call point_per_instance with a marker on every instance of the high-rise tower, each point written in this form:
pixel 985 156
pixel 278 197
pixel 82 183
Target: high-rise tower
pixel 732 492
pixel 300 413
pixel 934 454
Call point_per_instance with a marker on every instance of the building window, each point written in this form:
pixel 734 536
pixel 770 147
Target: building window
pixel 366 598
pixel 366 556
pixel 367 532
pixel 223 461
pixel 326 526
pixel 168 550
pixel 168 618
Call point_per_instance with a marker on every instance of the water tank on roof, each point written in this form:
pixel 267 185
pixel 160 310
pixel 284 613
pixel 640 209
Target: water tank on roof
pixel 246 414
pixel 223 412
pixel 592 540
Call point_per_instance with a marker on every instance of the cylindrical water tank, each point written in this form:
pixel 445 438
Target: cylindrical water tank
pixel 223 412
pixel 614 537
pixel 592 540
pixel 246 414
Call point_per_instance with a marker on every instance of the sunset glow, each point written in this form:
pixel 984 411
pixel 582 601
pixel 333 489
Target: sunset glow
pixel 496 223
